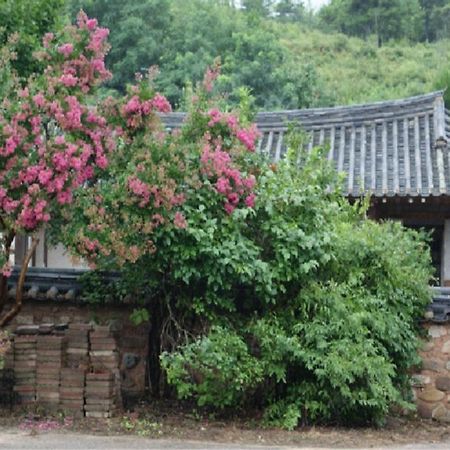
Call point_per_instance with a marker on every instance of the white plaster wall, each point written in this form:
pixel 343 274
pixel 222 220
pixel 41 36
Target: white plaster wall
pixel 445 261
pixel 57 257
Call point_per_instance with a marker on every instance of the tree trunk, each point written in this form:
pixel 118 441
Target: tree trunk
pixel 20 284
pixel 3 278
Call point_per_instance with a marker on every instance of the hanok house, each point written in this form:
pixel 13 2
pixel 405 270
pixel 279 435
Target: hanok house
pixel 396 151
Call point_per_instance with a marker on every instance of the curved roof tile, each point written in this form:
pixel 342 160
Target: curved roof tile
pixel 390 148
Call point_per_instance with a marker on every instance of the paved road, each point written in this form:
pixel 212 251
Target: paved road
pixel 14 440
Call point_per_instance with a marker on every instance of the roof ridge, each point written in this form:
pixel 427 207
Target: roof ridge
pixel 417 99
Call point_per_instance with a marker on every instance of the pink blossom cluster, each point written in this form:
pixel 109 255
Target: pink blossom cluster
pixel 164 196
pixel 211 75
pixel 230 182
pixel 247 136
pixel 134 110
pixel 41 169
pixel 6 271
pixel 83 64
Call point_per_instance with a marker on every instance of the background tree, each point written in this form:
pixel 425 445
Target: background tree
pixel 432 25
pixel 183 38
pixel 385 18
pixel 290 11
pixel 139 34
pixel 261 8
pixel 30 20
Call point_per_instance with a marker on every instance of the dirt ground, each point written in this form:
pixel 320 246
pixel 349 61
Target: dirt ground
pixel 158 420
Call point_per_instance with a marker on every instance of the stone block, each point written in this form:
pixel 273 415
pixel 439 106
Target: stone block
pixel 420 380
pixel 424 410
pixel 427 346
pixel 446 347
pixel 443 383
pixel 431 395
pixel 99 415
pixel 99 376
pixel 434 365
pixel 439 411
pixel 25 319
pixel 436 331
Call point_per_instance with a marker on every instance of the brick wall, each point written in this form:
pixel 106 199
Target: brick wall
pixel 431 382
pixel 71 321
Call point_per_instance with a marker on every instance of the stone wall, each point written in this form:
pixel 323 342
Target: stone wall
pixel 432 382
pixel 73 320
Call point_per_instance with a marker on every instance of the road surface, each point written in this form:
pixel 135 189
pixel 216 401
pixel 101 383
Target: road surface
pixel 13 439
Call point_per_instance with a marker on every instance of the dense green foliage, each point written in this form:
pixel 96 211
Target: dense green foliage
pixel 324 299
pixel 183 38
pixel 287 56
pixel 352 70
pixel 387 19
pixel 263 286
pixel 416 20
pixel 30 20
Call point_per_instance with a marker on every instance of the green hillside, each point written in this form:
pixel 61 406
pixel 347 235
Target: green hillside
pixel 352 70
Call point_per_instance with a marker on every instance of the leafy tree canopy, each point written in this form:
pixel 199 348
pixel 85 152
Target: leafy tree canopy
pixel 183 38
pixel 30 20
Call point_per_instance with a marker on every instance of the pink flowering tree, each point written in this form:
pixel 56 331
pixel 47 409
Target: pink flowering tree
pixel 163 190
pixel 52 140
pixel 155 173
pixel 108 175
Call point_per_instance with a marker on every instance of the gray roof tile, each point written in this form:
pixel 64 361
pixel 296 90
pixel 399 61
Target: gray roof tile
pixel 385 148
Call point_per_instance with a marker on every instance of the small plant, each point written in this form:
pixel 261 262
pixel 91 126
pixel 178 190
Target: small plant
pixel 140 426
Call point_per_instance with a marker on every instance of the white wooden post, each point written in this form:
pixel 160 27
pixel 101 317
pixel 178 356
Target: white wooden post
pixel 445 256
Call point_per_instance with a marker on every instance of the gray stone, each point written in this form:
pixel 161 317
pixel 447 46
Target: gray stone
pixel 446 347
pixel 436 331
pixel 419 380
pixel 130 360
pixel 434 365
pixel 443 383
pixel 439 411
pixel 424 410
pixel 27 329
pixel 445 419
pixel 427 346
pixel 431 395
pixel 25 319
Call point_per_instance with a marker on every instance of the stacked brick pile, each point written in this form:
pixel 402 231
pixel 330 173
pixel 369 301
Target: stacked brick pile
pixel 25 369
pixel 50 360
pixel 103 354
pixel 71 391
pixel 78 345
pixel 102 387
pixel 99 395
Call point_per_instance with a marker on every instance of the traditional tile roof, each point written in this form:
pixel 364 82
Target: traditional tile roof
pixel 62 285
pixel 391 148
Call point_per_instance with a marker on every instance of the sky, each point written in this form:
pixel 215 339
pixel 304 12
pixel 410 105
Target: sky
pixel 316 4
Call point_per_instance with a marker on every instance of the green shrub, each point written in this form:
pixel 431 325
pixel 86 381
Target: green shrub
pixel 327 330
pixel 217 369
